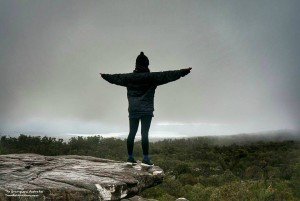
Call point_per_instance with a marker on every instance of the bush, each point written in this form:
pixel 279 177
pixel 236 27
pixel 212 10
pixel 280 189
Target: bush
pixel 233 191
pixel 173 187
pixel 295 181
pixel 166 197
pixel 197 192
pixel 182 168
pixel 187 178
pixel 154 192
pixel 253 172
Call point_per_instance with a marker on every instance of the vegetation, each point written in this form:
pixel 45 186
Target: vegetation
pixel 196 168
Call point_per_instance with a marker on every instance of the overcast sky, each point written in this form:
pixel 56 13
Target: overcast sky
pixel 244 54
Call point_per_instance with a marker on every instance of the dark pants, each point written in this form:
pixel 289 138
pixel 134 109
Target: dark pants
pixel 133 125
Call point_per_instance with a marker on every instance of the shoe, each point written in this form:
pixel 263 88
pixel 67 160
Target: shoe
pixel 131 161
pixel 147 162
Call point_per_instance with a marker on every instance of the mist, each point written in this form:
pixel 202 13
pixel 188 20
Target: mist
pixel 244 55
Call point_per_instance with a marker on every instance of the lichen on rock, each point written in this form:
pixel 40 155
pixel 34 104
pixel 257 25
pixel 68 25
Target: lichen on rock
pixel 72 177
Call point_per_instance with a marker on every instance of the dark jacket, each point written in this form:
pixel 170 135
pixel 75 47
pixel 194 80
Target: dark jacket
pixel 141 88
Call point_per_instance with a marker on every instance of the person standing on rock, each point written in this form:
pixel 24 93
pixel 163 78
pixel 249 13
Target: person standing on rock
pixel 141 85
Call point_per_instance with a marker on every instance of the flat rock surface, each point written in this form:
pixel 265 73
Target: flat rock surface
pixel 72 177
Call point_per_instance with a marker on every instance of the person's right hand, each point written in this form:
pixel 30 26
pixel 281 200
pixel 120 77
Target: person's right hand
pixel 186 71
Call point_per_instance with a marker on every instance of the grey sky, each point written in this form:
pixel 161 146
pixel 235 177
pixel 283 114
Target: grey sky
pixel 244 54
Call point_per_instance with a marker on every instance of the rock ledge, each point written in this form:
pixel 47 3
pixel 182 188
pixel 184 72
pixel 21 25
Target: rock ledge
pixel 72 177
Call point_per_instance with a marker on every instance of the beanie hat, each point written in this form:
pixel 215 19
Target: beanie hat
pixel 142 60
pixel 142 63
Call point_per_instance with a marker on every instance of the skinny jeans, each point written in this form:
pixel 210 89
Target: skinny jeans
pixel 133 126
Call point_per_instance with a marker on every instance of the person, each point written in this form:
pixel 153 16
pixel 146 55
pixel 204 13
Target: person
pixel 141 85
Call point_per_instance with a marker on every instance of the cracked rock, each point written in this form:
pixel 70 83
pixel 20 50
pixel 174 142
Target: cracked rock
pixel 72 177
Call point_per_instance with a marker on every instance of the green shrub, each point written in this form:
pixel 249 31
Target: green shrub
pixel 173 187
pixel 187 178
pixel 295 181
pixel 166 197
pixel 197 192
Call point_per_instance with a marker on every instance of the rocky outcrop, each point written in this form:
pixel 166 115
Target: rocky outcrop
pixel 72 177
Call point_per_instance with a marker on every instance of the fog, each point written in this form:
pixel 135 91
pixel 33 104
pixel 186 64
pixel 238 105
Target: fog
pixel 244 55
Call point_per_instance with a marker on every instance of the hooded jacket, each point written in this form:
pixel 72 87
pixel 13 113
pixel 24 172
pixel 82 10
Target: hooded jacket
pixel 141 88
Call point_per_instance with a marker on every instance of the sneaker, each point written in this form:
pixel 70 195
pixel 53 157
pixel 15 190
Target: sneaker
pixel 131 161
pixel 147 162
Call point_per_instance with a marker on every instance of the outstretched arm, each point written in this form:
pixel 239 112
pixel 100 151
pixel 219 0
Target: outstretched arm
pixel 118 79
pixel 164 77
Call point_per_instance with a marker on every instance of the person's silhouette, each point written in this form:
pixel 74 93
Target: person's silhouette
pixel 141 85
